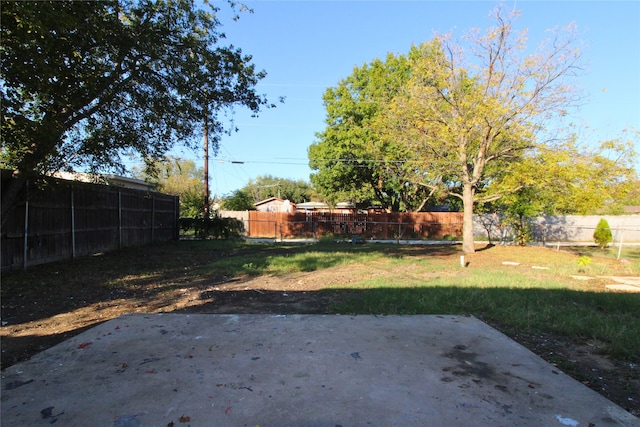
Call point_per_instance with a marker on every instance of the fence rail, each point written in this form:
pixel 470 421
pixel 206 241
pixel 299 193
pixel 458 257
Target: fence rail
pixel 65 219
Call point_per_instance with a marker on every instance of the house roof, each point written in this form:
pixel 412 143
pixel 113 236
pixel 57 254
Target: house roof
pixel 107 179
pixel 345 205
pixel 272 199
pixel 312 205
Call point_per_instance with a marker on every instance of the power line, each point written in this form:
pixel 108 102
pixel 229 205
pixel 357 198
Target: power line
pixel 304 162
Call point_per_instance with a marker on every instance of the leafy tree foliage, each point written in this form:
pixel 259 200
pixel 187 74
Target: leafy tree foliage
pixel 349 160
pixel 565 180
pixel 84 83
pixel 463 113
pixel 569 179
pixel 475 121
pixel 631 198
pixel 603 235
pixel 239 200
pixel 179 177
pixel 264 187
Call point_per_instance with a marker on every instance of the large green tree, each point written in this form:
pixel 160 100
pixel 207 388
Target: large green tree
pixel 349 160
pixel 473 108
pixel 85 83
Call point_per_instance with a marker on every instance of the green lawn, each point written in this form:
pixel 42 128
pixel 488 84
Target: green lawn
pixel 537 296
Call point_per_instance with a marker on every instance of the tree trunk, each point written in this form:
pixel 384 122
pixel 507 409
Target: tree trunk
pixel 467 222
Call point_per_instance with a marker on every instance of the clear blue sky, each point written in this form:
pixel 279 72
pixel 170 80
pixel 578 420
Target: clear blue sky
pixel 308 46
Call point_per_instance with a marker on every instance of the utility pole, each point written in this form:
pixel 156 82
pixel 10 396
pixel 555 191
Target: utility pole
pixel 271 185
pixel 206 165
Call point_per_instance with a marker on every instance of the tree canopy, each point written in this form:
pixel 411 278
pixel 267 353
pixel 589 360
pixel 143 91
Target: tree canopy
pixel 467 111
pixel 571 179
pixel 349 159
pixel 264 187
pixel 239 200
pixel 179 177
pixel 85 84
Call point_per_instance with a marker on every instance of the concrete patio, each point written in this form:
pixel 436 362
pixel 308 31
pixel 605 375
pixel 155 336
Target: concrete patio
pixel 298 370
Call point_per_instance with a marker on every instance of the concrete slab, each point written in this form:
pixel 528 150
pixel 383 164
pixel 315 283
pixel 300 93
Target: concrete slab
pixel 301 370
pixel 627 280
pixel 623 288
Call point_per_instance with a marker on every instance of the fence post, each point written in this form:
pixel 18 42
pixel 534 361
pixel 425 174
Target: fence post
pixel 73 224
pixel 26 232
pixel 620 244
pixel 315 235
pixel 119 219
pixel 153 218
pixel 176 217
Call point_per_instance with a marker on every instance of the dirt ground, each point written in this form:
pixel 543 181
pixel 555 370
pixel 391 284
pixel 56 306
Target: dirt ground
pixel 63 299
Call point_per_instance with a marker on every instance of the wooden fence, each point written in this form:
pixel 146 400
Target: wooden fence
pixel 399 225
pixel 65 219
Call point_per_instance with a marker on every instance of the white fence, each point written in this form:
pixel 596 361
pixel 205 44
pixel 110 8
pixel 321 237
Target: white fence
pixel 569 228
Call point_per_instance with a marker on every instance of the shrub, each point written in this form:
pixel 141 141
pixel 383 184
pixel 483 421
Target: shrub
pixel 216 227
pixel 583 262
pixel 602 235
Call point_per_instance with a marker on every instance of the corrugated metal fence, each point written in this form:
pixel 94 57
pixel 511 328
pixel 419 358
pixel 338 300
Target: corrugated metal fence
pixel 67 219
pixel 398 225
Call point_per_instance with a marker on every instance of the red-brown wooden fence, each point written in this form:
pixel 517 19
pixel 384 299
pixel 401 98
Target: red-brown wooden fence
pixel 397 225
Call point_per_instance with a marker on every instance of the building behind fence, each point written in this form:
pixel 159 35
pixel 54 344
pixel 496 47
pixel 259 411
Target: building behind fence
pixel 67 219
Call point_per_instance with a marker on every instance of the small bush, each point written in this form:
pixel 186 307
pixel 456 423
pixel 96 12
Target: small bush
pixel 602 235
pixel 583 262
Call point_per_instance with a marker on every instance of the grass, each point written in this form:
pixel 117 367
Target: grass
pixel 278 259
pixel 610 318
pixel 394 279
pixel 519 299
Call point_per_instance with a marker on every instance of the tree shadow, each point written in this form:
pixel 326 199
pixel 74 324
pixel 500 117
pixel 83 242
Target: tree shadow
pixel 147 277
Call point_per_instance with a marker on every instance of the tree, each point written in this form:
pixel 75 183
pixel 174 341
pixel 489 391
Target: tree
pixel 468 118
pixel 84 83
pixel 239 200
pixel 264 187
pixel 349 161
pixel 569 179
pixel 603 235
pixel 179 177
pixel 631 198
pixel 564 180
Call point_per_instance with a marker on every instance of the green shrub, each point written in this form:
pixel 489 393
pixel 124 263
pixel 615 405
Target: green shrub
pixel 583 262
pixel 602 235
pixel 216 227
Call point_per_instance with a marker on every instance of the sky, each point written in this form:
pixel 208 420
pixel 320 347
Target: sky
pixel 308 46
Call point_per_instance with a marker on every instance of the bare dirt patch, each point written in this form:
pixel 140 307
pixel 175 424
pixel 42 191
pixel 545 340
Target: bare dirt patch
pixel 48 304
